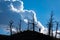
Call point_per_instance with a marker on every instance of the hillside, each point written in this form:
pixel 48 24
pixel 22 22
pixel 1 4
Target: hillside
pixel 27 35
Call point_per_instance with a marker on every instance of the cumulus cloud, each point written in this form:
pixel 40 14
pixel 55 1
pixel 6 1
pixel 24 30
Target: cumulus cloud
pixel 14 9
pixel 17 8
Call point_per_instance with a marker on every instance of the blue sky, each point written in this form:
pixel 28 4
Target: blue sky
pixel 43 9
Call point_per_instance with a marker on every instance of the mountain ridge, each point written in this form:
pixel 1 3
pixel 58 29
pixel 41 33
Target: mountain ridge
pixel 28 35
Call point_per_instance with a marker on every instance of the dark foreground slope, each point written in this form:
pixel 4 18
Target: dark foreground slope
pixel 27 35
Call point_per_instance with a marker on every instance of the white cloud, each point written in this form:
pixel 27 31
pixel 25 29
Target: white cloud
pixel 26 20
pixel 19 9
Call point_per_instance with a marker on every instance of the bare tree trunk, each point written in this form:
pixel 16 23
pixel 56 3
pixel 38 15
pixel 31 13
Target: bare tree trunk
pixel 20 26
pixel 33 23
pixel 28 25
pixel 11 22
pixel 50 25
pixel 56 29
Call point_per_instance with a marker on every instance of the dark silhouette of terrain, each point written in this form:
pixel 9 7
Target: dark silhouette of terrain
pixel 27 35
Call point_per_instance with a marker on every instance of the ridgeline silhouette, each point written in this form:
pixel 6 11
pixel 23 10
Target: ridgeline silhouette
pixel 31 34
